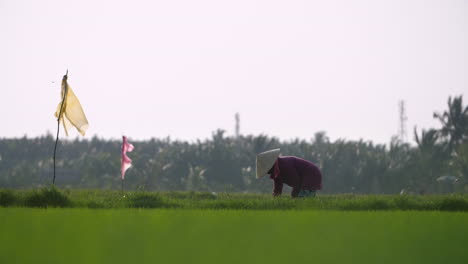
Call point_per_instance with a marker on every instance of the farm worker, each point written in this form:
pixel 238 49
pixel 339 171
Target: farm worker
pixel 303 176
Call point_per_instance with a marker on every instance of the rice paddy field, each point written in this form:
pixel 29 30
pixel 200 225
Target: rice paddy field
pixel 51 226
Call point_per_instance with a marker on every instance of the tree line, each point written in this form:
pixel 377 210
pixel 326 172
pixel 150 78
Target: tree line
pixel 437 163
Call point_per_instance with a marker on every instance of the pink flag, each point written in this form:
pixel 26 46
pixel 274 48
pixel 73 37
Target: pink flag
pixel 126 161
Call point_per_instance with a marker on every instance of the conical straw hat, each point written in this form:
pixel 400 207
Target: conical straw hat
pixel 265 161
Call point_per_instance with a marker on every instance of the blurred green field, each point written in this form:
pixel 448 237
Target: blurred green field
pixel 231 236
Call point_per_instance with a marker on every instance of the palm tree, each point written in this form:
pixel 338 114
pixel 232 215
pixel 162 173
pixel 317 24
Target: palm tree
pixel 428 139
pixel 430 158
pixel 454 122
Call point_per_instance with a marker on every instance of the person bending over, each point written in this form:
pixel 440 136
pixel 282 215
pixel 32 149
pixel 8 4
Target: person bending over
pixel 302 175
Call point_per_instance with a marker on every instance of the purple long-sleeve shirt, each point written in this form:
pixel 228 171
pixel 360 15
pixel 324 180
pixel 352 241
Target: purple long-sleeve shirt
pixel 298 173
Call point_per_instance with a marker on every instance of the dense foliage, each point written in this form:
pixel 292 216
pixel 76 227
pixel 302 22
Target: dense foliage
pixel 224 164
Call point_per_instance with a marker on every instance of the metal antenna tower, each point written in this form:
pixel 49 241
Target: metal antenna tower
pixel 237 128
pixel 402 130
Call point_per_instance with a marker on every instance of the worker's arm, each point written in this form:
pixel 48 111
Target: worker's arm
pixel 278 188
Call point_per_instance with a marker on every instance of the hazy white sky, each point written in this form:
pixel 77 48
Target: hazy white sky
pixel 184 68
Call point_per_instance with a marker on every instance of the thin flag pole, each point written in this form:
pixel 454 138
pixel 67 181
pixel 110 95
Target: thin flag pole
pixel 126 162
pixel 58 124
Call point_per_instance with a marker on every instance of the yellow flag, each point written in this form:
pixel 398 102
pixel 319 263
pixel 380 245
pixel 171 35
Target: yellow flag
pixel 72 112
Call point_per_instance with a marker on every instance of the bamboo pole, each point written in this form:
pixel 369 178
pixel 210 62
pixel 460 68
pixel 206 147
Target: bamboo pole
pixel 58 121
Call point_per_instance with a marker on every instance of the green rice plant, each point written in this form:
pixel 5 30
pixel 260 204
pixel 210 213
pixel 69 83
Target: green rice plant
pixel 7 198
pixel 53 197
pixel 365 203
pixel 403 202
pixel 191 195
pixel 47 197
pixel 145 200
pixel 96 204
pixel 453 204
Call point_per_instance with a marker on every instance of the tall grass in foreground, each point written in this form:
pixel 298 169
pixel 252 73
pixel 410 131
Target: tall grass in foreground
pixel 53 197
pixel 230 236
